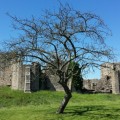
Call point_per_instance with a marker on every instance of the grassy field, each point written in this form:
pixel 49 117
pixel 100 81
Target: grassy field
pixel 16 105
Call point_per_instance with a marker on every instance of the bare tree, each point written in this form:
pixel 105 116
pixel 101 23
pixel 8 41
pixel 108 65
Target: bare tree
pixel 59 38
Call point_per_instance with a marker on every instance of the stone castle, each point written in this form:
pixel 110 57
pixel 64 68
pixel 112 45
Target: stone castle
pixel 109 81
pixel 30 78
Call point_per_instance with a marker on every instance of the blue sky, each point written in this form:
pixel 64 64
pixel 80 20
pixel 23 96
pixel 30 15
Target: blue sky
pixel 108 10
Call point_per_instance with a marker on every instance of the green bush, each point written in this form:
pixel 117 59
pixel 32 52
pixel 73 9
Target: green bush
pixel 76 76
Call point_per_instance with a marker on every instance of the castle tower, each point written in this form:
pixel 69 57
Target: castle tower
pixel 112 70
pixel 115 82
pixel 16 68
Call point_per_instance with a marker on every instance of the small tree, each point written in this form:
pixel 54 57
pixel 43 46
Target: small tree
pixel 65 35
pixel 76 76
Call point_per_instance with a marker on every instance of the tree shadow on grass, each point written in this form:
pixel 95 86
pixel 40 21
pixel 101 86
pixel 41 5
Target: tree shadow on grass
pixel 76 110
pixel 94 112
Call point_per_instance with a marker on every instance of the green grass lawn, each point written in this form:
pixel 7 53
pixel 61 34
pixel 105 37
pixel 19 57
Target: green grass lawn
pixel 16 105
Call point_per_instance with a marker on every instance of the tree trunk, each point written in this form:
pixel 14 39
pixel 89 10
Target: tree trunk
pixel 66 99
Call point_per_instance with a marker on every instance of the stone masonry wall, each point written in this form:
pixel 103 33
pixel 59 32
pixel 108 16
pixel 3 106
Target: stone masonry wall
pixel 110 79
pixel 14 76
pixel 111 70
pixel 5 75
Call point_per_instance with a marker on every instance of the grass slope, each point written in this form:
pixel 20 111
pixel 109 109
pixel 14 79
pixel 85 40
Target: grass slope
pixel 16 105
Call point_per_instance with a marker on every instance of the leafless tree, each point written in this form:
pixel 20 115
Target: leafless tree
pixel 59 38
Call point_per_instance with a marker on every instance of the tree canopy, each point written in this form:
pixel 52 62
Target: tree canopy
pixel 62 36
